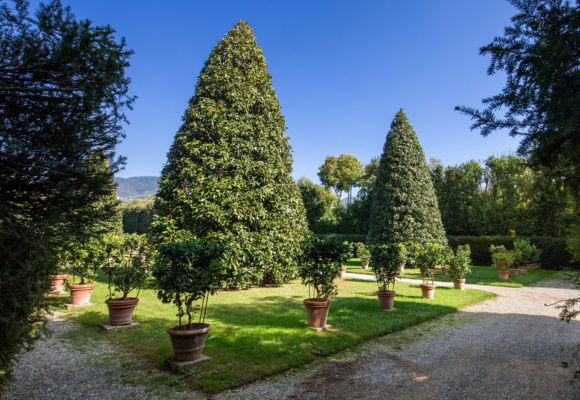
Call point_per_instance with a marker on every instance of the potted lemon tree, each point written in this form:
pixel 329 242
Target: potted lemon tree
pixel 386 259
pixel 459 266
pixel 364 254
pixel 87 258
pixel 187 273
pixel 502 259
pixel 321 264
pixel 429 257
pixel 127 271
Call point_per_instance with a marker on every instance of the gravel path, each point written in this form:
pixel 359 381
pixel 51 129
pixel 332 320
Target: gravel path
pixel 505 348
pixel 60 368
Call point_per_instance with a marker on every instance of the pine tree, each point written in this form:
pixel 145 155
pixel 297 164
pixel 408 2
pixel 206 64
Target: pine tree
pixel 227 176
pixel 404 206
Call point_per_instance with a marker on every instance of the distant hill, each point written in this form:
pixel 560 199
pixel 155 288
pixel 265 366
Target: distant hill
pixel 136 187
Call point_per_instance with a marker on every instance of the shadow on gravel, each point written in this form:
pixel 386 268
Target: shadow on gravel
pixel 494 356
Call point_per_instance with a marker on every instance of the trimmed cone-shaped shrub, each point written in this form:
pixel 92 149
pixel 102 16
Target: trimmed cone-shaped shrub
pixel 227 177
pixel 404 206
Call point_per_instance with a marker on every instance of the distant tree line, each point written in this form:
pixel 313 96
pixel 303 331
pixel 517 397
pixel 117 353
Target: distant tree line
pixel 501 196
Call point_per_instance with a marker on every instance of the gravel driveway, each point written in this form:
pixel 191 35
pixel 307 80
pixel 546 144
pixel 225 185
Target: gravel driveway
pixel 505 348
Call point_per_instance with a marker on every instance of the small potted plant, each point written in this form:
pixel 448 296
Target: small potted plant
pixel 322 259
pixel 187 273
pixel 502 259
pixel 87 258
pixel 527 254
pixel 126 270
pixel 58 280
pixel 429 257
pixel 348 254
pixel 386 259
pixel 364 255
pixel 459 266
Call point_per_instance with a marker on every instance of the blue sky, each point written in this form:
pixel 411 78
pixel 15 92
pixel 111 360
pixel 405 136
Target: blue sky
pixel 341 69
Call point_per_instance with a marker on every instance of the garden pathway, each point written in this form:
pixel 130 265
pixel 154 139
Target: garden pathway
pixel 63 367
pixel 506 348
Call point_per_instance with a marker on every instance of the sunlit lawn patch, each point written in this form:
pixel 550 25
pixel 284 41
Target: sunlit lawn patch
pixel 259 332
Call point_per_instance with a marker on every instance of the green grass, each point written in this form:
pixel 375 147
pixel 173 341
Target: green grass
pixel 259 332
pixel 478 275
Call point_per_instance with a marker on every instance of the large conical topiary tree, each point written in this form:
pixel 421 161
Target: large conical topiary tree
pixel 227 176
pixel 404 206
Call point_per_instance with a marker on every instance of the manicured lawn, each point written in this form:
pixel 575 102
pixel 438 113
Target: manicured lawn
pixel 260 332
pixel 479 275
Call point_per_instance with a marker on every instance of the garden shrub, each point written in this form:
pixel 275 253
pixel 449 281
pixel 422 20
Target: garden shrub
pixel 228 173
pixel 404 206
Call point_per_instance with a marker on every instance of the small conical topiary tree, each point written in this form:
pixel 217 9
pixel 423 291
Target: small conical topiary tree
pixel 404 206
pixel 227 177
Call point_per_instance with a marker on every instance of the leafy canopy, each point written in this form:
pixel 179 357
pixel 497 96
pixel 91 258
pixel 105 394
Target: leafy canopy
pixel 541 98
pixel 322 260
pixel 63 92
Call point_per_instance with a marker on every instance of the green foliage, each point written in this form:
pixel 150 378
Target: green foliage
pixel 541 100
pixel 404 207
pixel 137 215
pixel 385 262
pixel 64 94
pixel 319 203
pixel 553 250
pixel 327 173
pixel 501 258
pixel 459 262
pixel 526 253
pixel 341 174
pixel 186 272
pixel 362 252
pixel 126 263
pixel 227 177
pixel 504 195
pixel 322 260
pixel 430 255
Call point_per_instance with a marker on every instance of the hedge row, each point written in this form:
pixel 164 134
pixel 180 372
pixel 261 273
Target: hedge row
pixel 554 253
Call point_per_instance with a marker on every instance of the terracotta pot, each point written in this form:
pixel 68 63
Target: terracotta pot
pixel 316 312
pixel 188 340
pixel 57 282
pixel 342 271
pixel 81 294
pixel 428 290
pixel 402 268
pixel 503 274
pixel 533 266
pixel 386 299
pixel 459 283
pixel 523 269
pixel 445 271
pixel 121 310
pixel 514 272
pixel 364 265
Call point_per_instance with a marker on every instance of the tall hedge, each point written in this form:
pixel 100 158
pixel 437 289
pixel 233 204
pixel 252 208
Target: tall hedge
pixel 227 176
pixel 404 207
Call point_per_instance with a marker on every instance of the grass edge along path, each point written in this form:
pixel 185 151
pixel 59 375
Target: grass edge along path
pixel 479 275
pixel 261 332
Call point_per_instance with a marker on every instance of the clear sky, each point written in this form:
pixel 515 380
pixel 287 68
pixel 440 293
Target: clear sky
pixel 342 69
